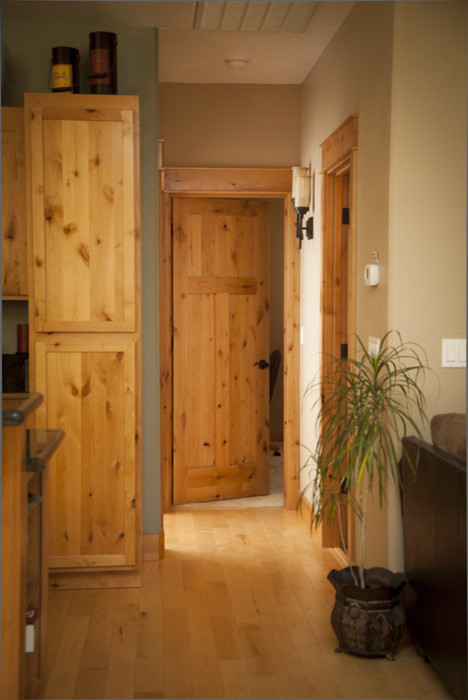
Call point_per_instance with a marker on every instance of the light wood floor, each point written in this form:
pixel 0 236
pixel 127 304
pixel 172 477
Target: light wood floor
pixel 239 608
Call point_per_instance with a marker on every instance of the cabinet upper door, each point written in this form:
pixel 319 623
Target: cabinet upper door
pixel 14 253
pixel 82 167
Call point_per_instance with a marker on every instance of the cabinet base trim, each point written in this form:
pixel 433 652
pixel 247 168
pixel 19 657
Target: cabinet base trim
pixel 72 580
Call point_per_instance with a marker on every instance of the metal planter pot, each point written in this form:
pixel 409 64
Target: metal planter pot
pixel 368 621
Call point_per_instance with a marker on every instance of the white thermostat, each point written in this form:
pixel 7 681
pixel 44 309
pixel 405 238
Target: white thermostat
pixel 371 275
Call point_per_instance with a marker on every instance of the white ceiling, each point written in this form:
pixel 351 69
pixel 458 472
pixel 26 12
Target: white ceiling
pixel 279 42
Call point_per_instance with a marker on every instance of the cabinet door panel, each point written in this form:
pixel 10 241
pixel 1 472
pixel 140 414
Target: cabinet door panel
pixel 14 251
pixel 84 211
pixel 89 390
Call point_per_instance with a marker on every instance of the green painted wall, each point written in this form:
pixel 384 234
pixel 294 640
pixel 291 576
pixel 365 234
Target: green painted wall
pixel 26 54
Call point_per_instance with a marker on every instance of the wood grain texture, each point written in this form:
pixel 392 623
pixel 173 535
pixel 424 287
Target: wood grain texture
pixel 84 262
pixel 220 332
pixel 14 236
pixel 239 608
pixel 291 357
pixel 224 180
pixel 178 180
pixel 84 183
pixel 337 147
pixel 339 189
pixel 90 394
pixel 14 562
pixel 165 347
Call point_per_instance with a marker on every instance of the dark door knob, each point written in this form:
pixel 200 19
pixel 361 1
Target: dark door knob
pixel 262 364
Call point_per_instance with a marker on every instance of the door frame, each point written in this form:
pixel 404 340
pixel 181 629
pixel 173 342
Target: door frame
pixel 249 183
pixel 339 157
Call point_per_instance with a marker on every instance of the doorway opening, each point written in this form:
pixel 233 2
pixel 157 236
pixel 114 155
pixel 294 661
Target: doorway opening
pixel 339 168
pixel 263 184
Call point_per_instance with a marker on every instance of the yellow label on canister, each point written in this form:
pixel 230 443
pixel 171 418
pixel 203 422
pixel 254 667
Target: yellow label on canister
pixel 62 75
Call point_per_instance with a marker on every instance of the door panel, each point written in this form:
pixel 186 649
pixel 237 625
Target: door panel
pixel 84 215
pixel 221 326
pixel 89 393
pixel 14 247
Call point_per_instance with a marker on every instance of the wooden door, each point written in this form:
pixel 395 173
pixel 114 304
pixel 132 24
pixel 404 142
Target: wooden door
pixel 14 250
pixel 221 328
pixel 89 390
pixel 83 156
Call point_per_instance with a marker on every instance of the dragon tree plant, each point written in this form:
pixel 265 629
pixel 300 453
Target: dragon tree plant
pixel 366 406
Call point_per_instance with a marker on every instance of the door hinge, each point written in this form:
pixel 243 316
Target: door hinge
pixel 345 216
pixel 172 229
pixel 344 351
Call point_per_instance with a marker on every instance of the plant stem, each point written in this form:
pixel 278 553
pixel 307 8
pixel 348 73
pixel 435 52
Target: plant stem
pixel 363 539
pixel 345 548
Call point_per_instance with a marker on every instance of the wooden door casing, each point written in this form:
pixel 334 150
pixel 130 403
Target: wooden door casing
pixel 339 168
pixel 14 245
pixel 84 211
pixel 231 182
pixel 221 322
pixel 89 390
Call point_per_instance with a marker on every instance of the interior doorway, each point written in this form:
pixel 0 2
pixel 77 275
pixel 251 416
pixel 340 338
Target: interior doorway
pixel 252 183
pixel 339 168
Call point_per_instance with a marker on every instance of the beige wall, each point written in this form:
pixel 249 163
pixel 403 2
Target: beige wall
pixel 402 68
pixel 428 187
pixel 230 125
pixel 353 76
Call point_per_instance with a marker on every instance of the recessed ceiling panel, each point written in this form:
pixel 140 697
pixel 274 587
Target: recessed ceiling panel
pixel 254 16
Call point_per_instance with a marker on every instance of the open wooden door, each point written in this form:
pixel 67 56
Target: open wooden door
pixel 221 337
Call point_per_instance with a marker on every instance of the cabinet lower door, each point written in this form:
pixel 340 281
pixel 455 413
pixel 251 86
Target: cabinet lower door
pixel 89 390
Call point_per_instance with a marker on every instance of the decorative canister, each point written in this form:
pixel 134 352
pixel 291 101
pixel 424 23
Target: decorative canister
pixel 103 63
pixel 65 71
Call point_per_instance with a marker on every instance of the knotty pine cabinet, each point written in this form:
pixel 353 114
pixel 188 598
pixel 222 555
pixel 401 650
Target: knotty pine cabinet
pixel 14 252
pixel 24 572
pixel 82 166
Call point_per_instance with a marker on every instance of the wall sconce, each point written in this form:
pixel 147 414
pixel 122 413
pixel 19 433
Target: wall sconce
pixel 301 201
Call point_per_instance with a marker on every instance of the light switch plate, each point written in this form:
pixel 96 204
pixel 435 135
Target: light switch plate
pixel 373 346
pixel 453 352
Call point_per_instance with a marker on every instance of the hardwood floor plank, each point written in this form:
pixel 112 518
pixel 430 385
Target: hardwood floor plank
pixel 177 679
pixel 206 678
pixel 256 649
pixel 72 641
pixel 149 676
pixel 225 637
pixel 239 608
pixel 99 637
pixel 120 681
pixel 61 683
pixel 91 683
pixel 175 633
pixel 236 682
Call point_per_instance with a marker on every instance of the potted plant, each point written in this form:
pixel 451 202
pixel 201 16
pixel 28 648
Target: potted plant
pixel 365 406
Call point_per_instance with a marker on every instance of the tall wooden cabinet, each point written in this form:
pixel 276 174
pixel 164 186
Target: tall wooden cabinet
pixel 82 167
pixel 14 254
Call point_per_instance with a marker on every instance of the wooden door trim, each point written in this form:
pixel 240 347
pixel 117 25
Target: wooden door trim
pixel 231 182
pixel 339 156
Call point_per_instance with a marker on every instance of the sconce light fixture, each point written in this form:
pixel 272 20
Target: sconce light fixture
pixel 301 201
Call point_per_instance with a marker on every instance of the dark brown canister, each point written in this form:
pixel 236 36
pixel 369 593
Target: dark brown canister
pixel 103 63
pixel 65 69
